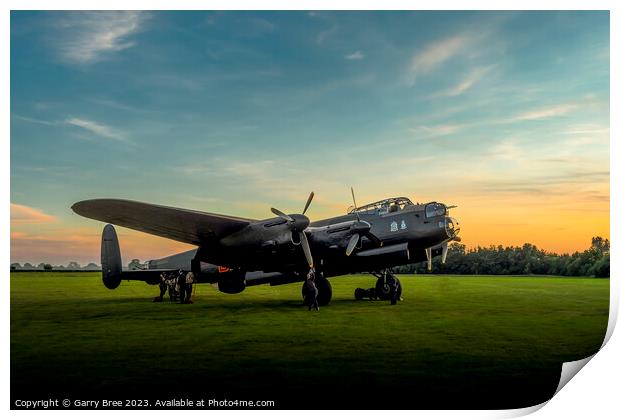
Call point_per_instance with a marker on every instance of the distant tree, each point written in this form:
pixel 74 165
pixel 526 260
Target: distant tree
pixel 601 267
pixel 600 245
pixel 41 266
pixel 16 266
pixel 599 257
pixel 73 266
pixel 48 267
pixel 91 266
pixel 28 266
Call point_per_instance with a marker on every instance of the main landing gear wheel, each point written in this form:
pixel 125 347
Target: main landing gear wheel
pixel 325 290
pixel 388 287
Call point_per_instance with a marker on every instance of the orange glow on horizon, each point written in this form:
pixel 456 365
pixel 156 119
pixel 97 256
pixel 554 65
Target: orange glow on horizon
pixel 558 223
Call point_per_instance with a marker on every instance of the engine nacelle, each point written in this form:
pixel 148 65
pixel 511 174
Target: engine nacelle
pixel 389 255
pixel 231 282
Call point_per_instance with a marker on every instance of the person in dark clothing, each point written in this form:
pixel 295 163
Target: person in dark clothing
pixel 163 286
pixel 171 281
pixel 310 292
pixel 189 284
pixel 394 290
pixel 181 283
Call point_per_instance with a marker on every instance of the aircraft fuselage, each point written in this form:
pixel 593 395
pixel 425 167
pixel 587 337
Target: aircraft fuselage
pixel 271 245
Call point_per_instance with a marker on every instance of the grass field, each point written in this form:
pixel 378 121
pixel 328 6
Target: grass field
pixel 454 342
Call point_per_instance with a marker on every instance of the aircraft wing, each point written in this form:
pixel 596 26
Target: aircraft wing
pixel 188 226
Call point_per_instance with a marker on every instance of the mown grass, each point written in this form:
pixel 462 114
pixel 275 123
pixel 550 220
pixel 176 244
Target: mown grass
pixel 454 342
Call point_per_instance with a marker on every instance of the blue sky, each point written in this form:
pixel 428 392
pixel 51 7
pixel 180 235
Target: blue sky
pixel 504 113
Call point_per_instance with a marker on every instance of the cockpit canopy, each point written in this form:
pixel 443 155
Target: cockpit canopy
pixel 392 205
pixel 435 209
pixel 388 205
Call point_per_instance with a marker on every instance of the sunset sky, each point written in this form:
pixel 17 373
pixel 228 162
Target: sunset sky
pixel 505 114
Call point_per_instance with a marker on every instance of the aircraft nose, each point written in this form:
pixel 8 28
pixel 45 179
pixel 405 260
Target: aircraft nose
pixel 452 227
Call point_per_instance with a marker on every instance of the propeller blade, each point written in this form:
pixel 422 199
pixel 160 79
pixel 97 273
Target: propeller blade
pixel 306 247
pixel 355 204
pixel 352 243
pixel 429 259
pixel 308 202
pixel 282 215
pixel 444 252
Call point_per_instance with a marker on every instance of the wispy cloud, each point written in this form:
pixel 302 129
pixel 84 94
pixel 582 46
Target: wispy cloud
pixel 357 55
pixel 88 125
pixel 96 128
pixel 326 34
pixel 89 37
pixel 586 135
pixel 546 112
pixel 24 215
pixel 465 84
pixel 550 111
pixel 435 54
pixel 557 183
pixel 505 150
pixel 33 120
pixel 587 129
pixel 109 103
pixel 435 130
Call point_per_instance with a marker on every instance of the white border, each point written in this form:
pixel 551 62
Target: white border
pixel 593 394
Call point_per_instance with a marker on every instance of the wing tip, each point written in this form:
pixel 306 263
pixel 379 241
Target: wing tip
pixel 82 207
pixel 77 206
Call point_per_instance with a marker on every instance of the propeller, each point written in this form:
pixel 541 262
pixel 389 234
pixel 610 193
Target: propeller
pixel 282 215
pixel 352 243
pixel 452 229
pixel 298 223
pixel 308 201
pixel 306 247
pixel 429 259
pixel 360 228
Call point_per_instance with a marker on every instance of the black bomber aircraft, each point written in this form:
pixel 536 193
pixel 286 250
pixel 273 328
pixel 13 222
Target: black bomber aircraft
pixel 235 252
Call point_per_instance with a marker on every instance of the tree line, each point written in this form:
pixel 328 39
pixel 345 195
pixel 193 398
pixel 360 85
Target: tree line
pixel 526 259
pixel 495 260
pixel 49 267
